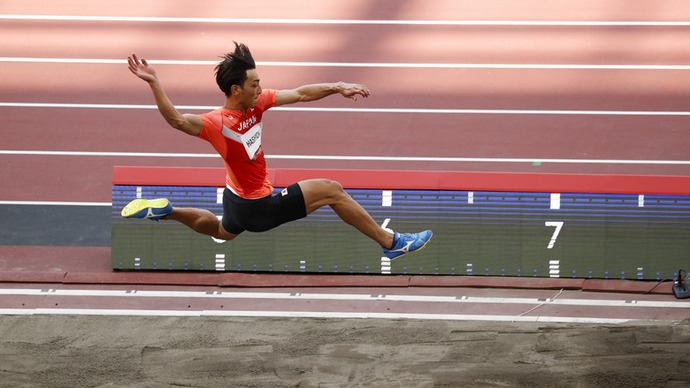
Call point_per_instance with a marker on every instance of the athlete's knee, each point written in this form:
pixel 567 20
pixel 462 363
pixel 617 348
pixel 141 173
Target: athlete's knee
pixel 322 192
pixel 335 186
pixel 334 189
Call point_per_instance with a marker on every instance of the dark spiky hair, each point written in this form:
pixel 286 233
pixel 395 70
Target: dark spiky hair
pixel 233 69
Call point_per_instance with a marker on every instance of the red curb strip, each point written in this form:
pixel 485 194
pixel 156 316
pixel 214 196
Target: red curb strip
pixel 306 280
pixel 610 285
pixel 421 180
pixel 495 282
pixel 32 276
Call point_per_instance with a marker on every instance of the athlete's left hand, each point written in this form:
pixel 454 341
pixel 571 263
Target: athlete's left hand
pixel 141 69
pixel 353 90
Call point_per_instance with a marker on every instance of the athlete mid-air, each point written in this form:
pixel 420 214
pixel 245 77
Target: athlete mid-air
pixel 235 131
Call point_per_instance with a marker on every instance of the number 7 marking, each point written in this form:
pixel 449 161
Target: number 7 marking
pixel 558 225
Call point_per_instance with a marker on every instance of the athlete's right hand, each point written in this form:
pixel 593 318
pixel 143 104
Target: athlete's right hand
pixel 141 68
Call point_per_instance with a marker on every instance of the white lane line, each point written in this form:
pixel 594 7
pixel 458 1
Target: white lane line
pixel 570 23
pixel 98 106
pixel 345 297
pixel 361 110
pixel 364 64
pixel 107 153
pixel 55 203
pixel 350 158
pixel 311 314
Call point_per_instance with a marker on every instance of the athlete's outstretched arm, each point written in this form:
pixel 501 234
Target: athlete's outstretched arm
pixel 187 123
pixel 319 91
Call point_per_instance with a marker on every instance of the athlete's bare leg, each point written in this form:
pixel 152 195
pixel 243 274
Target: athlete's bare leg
pixel 321 192
pixel 201 221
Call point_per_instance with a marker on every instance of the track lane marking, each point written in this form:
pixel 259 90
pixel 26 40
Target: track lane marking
pixel 629 303
pixel 363 64
pixel 54 203
pixel 348 157
pixel 312 314
pixel 546 23
pixel 360 110
pixel 320 314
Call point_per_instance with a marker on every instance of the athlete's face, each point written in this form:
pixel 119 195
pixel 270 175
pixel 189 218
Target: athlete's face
pixel 249 94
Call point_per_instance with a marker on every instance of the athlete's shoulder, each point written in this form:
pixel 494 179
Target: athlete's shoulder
pixel 212 120
pixel 267 99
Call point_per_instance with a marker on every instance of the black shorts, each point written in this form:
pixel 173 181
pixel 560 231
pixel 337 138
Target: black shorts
pixel 262 214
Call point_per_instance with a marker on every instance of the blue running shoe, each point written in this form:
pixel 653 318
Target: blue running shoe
pixel 152 209
pixel 407 243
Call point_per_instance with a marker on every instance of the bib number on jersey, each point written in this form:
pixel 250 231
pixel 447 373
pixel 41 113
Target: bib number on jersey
pixel 251 140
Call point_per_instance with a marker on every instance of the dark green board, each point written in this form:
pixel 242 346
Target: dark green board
pixel 475 233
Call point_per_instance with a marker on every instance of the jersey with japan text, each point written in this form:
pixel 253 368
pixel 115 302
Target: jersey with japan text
pixel 237 138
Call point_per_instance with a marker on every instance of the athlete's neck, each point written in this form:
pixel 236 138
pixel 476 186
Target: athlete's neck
pixel 233 104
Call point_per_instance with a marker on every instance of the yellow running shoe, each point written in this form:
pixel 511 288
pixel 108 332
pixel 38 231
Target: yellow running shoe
pixel 153 209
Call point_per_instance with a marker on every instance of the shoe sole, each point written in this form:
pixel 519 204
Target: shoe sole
pixel 138 205
pixel 416 250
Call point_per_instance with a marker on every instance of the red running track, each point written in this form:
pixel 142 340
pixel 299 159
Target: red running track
pixel 493 134
pixel 451 135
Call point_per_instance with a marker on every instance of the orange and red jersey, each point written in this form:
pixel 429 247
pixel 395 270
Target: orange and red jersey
pixel 237 138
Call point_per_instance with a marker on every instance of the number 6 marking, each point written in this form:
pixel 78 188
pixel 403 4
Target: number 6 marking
pixel 558 225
